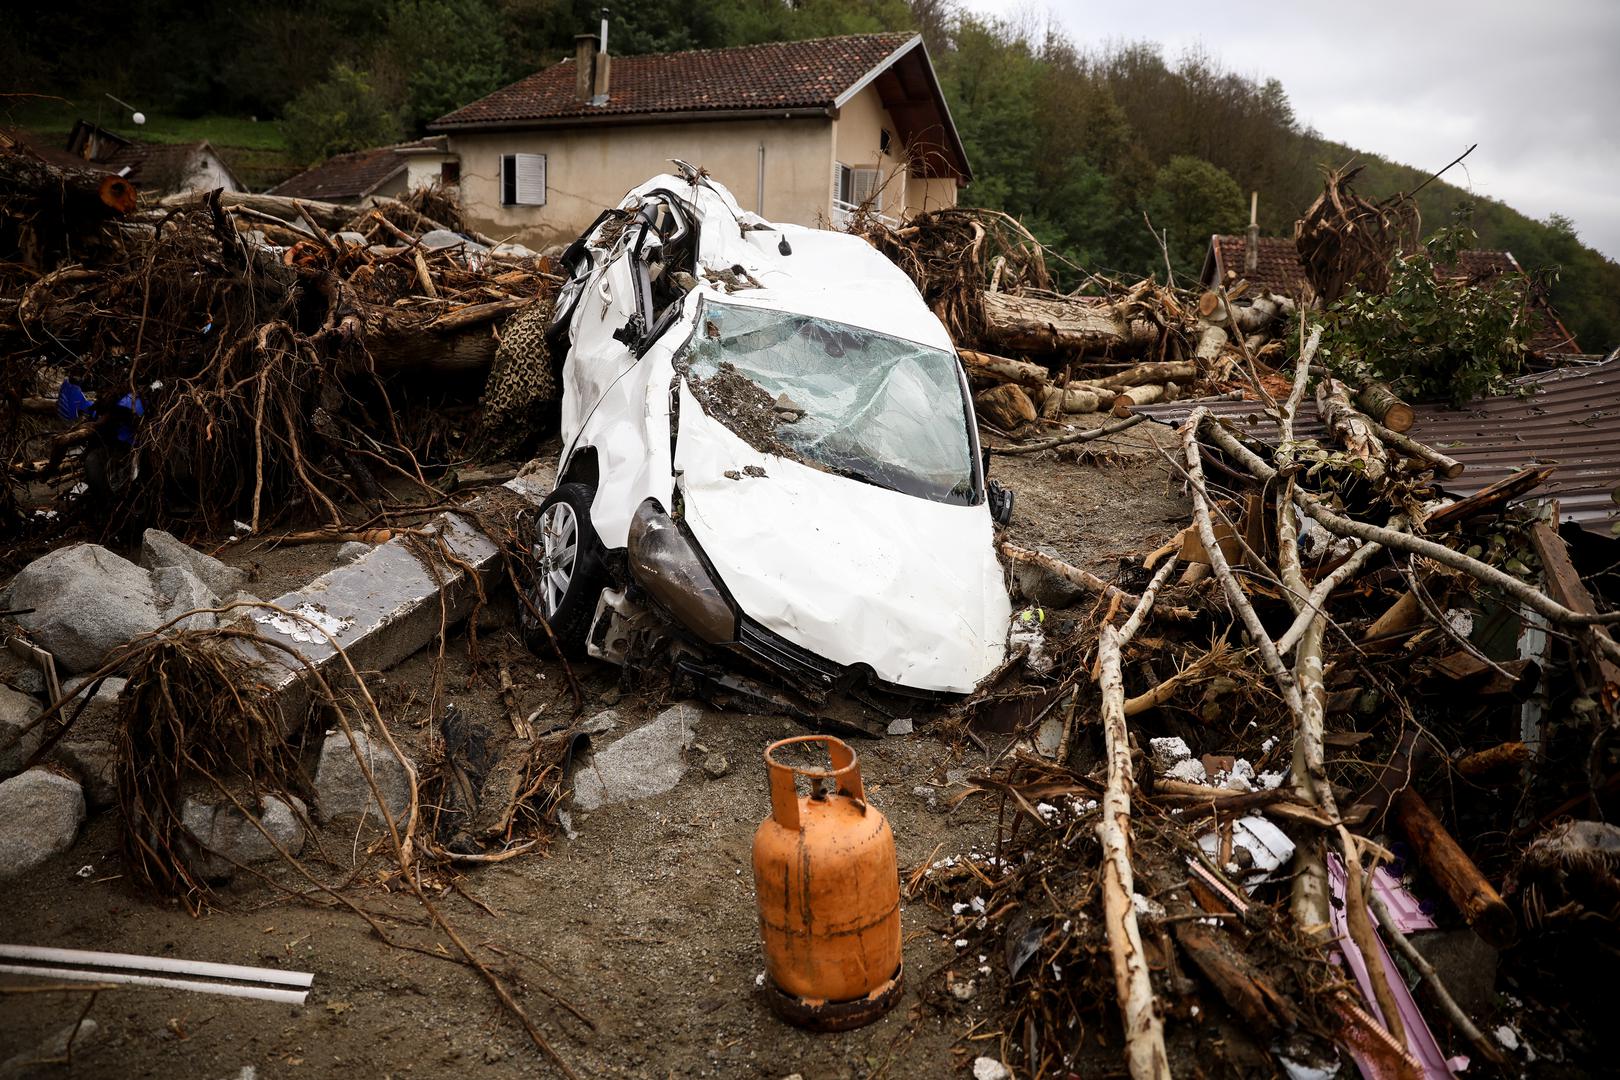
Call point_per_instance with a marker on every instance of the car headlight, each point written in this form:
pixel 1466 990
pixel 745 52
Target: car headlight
pixel 668 566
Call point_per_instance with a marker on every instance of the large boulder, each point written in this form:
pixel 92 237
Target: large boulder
pixel 93 760
pixel 340 784
pixel 87 601
pixel 17 711
pixel 159 550
pixel 179 591
pixel 40 814
pixel 648 761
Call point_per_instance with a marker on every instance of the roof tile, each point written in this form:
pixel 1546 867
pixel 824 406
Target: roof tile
pixel 345 176
pixel 779 75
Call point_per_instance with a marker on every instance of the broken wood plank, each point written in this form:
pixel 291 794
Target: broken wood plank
pixel 1488 500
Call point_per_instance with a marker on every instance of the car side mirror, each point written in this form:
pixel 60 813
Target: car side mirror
pixel 1001 502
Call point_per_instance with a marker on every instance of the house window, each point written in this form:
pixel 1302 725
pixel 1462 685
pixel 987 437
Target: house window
pixel 858 186
pixel 523 179
pixel 884 140
pixel 450 172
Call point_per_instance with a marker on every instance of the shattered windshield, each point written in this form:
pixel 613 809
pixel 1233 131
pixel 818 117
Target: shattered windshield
pixel 876 408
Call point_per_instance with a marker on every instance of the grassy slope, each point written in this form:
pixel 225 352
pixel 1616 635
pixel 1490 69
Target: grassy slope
pixel 255 150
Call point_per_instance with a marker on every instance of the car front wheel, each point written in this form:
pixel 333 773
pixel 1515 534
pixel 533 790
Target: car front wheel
pixel 569 573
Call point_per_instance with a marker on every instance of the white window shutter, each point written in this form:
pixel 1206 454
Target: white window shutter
pixel 864 189
pixel 531 179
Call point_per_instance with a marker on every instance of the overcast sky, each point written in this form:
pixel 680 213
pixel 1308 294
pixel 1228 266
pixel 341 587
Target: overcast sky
pixel 1536 84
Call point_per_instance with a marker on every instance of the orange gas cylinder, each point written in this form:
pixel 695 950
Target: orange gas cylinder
pixel 828 888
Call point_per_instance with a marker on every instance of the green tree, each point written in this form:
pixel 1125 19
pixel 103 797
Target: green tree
pixel 342 112
pixel 441 54
pixel 1191 201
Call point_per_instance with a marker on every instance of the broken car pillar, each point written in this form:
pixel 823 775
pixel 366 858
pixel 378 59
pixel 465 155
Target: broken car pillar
pixel 828 887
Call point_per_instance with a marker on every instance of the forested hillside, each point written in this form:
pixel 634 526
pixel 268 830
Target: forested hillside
pixel 1086 144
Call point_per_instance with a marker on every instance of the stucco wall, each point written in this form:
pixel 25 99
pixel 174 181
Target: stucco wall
pixel 209 172
pixel 857 142
pixel 423 170
pixel 590 169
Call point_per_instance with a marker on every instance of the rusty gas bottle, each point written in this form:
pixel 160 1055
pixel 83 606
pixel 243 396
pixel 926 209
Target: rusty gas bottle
pixel 828 888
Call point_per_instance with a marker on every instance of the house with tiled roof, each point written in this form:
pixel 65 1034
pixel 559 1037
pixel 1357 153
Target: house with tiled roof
pixel 1271 264
pixel 801 131
pixel 157 168
pixel 390 171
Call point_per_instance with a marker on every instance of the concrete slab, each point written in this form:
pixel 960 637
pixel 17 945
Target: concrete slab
pixel 381 607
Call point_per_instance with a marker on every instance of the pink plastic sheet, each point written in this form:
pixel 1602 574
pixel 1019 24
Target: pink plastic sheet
pixel 1419 1039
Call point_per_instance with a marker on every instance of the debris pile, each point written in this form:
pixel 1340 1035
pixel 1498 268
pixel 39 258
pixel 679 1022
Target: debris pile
pixel 1036 356
pixel 230 358
pixel 1308 708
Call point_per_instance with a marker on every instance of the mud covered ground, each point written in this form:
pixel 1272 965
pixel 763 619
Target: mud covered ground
pixel 644 921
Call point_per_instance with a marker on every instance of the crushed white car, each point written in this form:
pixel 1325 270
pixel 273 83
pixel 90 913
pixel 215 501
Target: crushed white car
pixel 770 467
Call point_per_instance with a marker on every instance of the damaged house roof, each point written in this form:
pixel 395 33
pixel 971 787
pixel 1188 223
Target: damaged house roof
pixel 1569 416
pixel 1278 270
pixel 353 175
pixel 804 77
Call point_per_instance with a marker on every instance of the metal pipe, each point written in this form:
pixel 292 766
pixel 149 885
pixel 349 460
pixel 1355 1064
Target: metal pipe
pixel 134 962
pixel 603 46
pixel 759 197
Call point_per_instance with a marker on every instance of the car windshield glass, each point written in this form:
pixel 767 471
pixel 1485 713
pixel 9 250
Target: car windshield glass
pixel 880 409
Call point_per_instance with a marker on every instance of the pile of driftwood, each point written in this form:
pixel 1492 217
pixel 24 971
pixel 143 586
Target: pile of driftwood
pixel 246 356
pixel 1378 695
pixel 1034 355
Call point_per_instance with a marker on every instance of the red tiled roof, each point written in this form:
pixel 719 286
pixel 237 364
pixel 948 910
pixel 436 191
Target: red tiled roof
pixel 51 155
pixel 780 75
pixel 346 176
pixel 1278 270
pixel 154 165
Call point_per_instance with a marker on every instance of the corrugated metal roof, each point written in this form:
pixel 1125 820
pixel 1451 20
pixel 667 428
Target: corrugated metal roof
pixel 1571 417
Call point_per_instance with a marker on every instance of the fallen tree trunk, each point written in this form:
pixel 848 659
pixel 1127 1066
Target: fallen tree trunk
pixel 1164 371
pixel 1042 324
pixel 1138 395
pixel 1074 399
pixel 1380 402
pixel 1447 467
pixel 1006 406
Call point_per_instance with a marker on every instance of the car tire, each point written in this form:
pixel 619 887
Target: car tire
pixel 569 572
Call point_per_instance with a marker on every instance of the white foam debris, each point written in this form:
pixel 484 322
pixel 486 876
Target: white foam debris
pixel 1267 845
pixel 1270 780
pixel 1167 753
pixel 307 623
pixel 1189 771
pixel 1507 1037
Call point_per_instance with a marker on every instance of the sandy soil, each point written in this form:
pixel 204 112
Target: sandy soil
pixel 644 921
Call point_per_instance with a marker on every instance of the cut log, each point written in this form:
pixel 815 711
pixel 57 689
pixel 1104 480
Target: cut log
pixel 1403 614
pixel 1349 428
pixel 1166 371
pixel 1006 406
pixel 1077 398
pixel 980 365
pixel 1451 868
pixel 1134 396
pixel 1380 402
pixel 1043 324
pixel 1496 765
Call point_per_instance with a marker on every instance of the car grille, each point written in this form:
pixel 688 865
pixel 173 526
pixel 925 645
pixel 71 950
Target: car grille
pixel 775 651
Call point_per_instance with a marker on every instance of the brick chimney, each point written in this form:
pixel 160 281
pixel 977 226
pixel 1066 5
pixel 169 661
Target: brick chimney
pixel 584 65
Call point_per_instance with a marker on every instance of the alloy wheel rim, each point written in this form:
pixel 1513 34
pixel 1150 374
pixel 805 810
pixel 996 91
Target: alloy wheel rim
pixel 556 552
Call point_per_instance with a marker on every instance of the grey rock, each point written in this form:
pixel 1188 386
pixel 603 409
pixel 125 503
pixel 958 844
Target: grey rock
pixel 29 681
pixel 437 239
pixel 179 591
pixel 160 550
pixel 1040 586
pixel 87 601
pixel 54 1047
pixel 1465 964
pixel 612 696
pixel 602 723
pixel 646 762
pixel 106 694
pixel 352 550
pixel 95 763
pixel 40 813
pixel 928 794
pixel 17 711
pixel 226 836
pixel 340 785
pixel 716 765
pixel 902 726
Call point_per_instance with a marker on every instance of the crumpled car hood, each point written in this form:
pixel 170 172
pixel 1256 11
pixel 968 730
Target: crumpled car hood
pixel 853 572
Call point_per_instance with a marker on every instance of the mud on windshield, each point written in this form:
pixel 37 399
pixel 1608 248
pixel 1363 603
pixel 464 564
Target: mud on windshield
pixel 875 408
